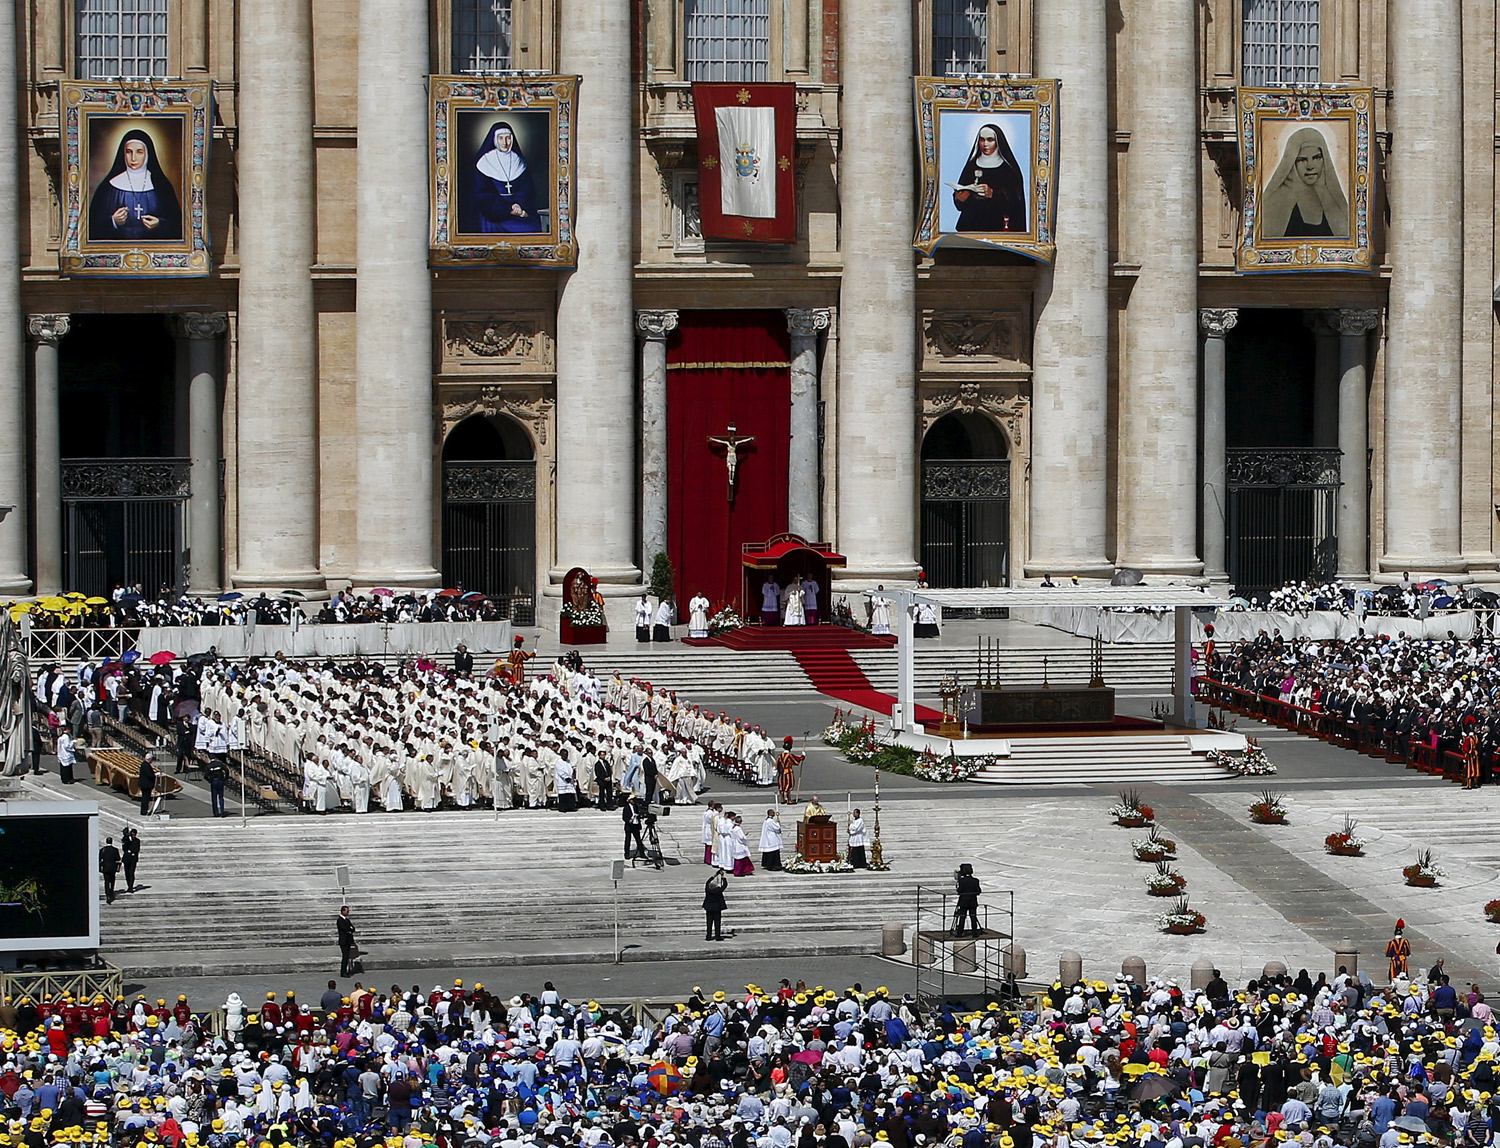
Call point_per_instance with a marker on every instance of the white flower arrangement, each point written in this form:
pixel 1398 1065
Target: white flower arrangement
pixel 725 620
pixel 800 864
pixel 1181 919
pixel 930 767
pixel 592 615
pixel 1252 763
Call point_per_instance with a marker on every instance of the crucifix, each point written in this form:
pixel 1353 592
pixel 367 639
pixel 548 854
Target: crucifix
pixel 731 442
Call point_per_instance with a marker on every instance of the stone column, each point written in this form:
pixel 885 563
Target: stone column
pixel 1158 451
pixel 1216 322
pixel 1353 519
pixel 200 332
pixel 654 327
pixel 1070 354
pixel 13 452
pixel 803 493
pixel 393 319
pixel 47 332
pixel 596 469
pixel 1323 325
pixel 276 371
pixel 1424 384
pixel 877 429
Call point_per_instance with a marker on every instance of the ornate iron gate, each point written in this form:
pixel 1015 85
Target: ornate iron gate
pixel 966 522
pixel 1282 508
pixel 123 522
pixel 489 532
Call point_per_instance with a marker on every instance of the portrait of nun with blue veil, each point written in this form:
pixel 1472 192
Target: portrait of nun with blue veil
pixel 135 201
pixel 505 199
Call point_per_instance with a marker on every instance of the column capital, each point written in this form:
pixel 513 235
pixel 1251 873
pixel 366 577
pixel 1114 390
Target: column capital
pixel 656 324
pixel 48 329
pixel 1218 321
pixel 808 320
pixel 1349 321
pixel 198 324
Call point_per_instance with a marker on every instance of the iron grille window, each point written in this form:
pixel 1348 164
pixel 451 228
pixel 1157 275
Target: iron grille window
pixel 481 36
pixel 728 40
pixel 122 38
pixel 960 37
pixel 1281 43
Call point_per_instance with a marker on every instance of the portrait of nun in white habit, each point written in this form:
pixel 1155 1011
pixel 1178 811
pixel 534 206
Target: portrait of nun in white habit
pixel 1304 198
pixel 504 194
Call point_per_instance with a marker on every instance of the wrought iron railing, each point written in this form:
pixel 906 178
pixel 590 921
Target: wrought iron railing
pixel 126 479
pixel 489 481
pixel 1313 467
pixel 960 480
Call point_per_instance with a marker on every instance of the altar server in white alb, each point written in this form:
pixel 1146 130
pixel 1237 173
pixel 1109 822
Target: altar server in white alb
pixel 698 616
pixel 770 841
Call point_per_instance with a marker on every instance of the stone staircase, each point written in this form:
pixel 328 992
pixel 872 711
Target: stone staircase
pixel 1083 759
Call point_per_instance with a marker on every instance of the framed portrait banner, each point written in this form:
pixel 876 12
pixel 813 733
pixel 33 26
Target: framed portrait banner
pixel 135 178
pixel 1308 179
pixel 502 171
pixel 988 158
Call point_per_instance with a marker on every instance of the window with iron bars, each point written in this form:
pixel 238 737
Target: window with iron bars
pixel 1281 44
pixel 121 38
pixel 727 40
pixel 481 36
pixel 960 37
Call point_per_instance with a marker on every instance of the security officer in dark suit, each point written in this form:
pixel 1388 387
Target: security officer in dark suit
pixel 347 947
pixel 109 866
pixel 463 661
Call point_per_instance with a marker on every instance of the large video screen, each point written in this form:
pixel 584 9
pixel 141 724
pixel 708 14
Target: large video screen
pixel 48 890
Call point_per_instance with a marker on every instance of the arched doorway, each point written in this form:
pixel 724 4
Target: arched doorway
pixel 489 513
pixel 965 503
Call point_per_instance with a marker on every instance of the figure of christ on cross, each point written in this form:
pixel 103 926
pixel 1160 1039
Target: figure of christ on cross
pixel 731 442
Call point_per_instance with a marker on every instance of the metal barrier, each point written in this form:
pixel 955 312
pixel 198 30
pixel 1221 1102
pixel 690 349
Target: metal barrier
pixel 81 984
pixel 92 645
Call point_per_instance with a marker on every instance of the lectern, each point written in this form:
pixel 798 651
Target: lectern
pixel 818 838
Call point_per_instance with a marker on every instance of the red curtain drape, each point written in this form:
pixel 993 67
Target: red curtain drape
pixel 725 367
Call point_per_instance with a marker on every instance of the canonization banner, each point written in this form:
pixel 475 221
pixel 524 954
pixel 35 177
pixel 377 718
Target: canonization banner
pixel 747 138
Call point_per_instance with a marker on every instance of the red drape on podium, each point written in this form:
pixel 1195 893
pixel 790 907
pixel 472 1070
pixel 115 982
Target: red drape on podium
pixel 725 367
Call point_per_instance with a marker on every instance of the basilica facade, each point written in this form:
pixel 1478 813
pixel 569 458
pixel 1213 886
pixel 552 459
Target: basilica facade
pixel 241 350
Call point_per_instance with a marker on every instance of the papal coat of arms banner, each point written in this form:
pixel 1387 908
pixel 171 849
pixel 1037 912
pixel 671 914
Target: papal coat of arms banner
pixel 1308 179
pixel 747 139
pixel 989 158
pixel 135 178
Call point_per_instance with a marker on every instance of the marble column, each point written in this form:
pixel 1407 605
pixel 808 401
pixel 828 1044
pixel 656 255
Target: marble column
pixel 877 429
pixel 199 333
pixel 276 369
pixel 803 488
pixel 596 417
pixel 1070 352
pixel 1158 436
pixel 46 332
pixel 393 400
pixel 1325 378
pixel 1353 520
pixel 654 327
pixel 13 444
pixel 1216 322
pixel 1424 343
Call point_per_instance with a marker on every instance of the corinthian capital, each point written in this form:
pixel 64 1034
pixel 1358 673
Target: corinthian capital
pixel 47 328
pixel 1218 321
pixel 1354 322
pixel 807 320
pixel 199 324
pixel 656 324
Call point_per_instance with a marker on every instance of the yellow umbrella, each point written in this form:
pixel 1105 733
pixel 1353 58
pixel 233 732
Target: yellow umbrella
pixel 96 601
pixel 52 603
pixel 76 595
pixel 19 612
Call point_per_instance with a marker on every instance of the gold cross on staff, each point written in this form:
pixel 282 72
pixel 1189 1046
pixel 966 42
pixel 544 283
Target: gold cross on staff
pixel 731 442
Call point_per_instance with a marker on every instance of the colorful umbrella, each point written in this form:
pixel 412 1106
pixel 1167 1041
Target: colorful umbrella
pixel 449 593
pixel 130 657
pixel 96 601
pixel 232 596
pixel 53 603
pixel 383 592
pixel 75 595
pixel 475 595
pixel 664 1077
pixel 162 658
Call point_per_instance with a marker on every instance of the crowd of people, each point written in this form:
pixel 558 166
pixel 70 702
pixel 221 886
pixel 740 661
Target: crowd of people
pixel 1412 692
pixel 1148 1063
pixel 1403 599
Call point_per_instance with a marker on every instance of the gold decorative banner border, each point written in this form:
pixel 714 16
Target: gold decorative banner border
pixel 454 100
pixel 937 98
pixel 1331 125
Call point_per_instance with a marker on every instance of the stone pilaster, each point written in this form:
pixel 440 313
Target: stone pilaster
pixel 1423 373
pixel 654 327
pixel 13 444
pixel 46 332
pixel 201 332
pixel 596 473
pixel 1353 519
pixel 1158 437
pixel 393 321
pixel 877 300
pixel 1070 372
pixel 1216 322
pixel 276 371
pixel 1324 326
pixel 803 325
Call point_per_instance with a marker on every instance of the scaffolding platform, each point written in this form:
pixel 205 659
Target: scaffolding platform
pixel 981 962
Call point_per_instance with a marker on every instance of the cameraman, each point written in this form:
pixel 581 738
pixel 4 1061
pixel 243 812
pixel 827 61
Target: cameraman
pixel 968 899
pixel 634 814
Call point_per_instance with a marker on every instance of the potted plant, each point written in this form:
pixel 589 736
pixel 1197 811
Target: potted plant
pixel 1423 874
pixel 1154 848
pixel 1166 881
pixel 1131 812
pixel 1181 920
pixel 1268 808
pixel 1345 842
pixel 1492 911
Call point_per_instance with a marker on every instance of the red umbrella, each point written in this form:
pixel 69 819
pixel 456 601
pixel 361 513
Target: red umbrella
pixel 162 658
pixel 383 592
pixel 449 593
pixel 664 1077
pixel 809 1056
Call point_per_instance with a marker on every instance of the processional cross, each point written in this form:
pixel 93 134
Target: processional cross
pixel 731 442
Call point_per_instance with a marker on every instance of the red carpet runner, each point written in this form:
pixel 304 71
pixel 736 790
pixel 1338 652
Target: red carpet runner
pixel 835 673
